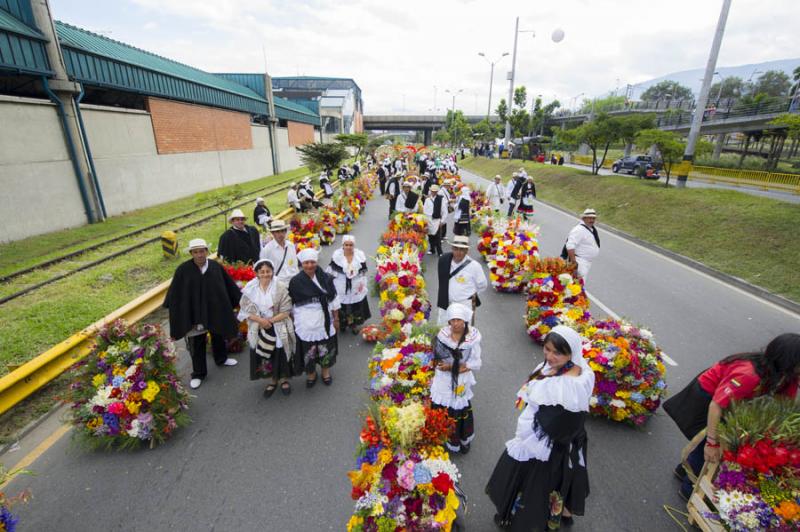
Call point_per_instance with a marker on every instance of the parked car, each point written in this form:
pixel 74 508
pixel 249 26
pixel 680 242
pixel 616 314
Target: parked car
pixel 631 164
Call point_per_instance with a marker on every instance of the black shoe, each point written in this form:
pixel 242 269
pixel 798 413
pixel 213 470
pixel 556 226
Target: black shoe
pixel 683 495
pixel 269 390
pixel 464 448
pixel 311 382
pixel 286 388
pixel 567 520
pixel 680 472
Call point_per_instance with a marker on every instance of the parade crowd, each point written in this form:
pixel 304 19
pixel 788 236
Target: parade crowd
pixel 295 309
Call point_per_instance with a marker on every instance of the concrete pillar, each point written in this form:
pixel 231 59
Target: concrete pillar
pixel 719 142
pixel 427 134
pixel 65 91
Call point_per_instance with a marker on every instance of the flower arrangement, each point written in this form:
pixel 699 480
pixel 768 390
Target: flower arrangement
pixel 555 297
pixel 304 232
pixel 480 203
pixel 328 220
pixel 485 227
pixel 758 483
pixel 403 297
pixel 629 371
pixel 127 392
pixel 401 371
pixel 514 249
pixel 240 272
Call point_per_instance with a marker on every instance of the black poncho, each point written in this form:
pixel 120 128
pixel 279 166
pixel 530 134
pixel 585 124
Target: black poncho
pixel 240 246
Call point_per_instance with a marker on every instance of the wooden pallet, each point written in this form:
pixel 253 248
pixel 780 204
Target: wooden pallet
pixel 702 500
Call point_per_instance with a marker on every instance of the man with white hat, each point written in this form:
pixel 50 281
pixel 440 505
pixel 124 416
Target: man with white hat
pixel 240 243
pixel 461 279
pixel 261 214
pixel 325 183
pixel 200 300
pixel 281 252
pixel 434 209
pixel 583 243
pixel 392 193
pixel 293 199
pixel 496 194
pixel 407 200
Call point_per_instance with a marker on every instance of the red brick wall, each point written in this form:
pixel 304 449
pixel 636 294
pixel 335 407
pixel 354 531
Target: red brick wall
pixel 300 134
pixel 182 127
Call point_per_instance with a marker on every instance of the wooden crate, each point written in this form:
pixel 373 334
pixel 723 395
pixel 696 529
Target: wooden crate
pixel 702 501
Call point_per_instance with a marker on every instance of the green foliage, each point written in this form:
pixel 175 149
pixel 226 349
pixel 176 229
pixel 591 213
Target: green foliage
pixel 485 131
pixel 630 125
pixel 670 146
pixel 763 417
pixel 221 199
pixel 541 114
pixel 598 134
pixel 603 105
pixel 731 87
pixel 772 83
pixel 441 137
pixel 323 156
pixel 502 110
pixel 458 129
pixel 520 97
pixel 353 140
pixel 791 122
pixel 667 90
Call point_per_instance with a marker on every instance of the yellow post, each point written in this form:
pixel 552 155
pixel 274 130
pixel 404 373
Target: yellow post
pixel 169 244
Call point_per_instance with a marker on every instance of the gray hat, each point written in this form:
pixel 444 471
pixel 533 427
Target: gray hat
pixel 589 213
pixel 278 225
pixel 460 241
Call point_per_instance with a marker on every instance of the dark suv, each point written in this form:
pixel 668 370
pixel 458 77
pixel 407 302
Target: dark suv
pixel 631 164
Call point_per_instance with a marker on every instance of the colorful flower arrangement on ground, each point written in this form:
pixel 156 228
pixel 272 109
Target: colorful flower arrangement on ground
pixel 327 220
pixel 757 486
pixel 516 246
pixel 304 232
pixel 484 226
pixel 629 371
pixel 407 228
pixel 404 479
pixel 127 392
pixel 240 272
pixel 555 297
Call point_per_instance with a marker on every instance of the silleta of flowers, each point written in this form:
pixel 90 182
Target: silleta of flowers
pixel 127 392
pixel 516 246
pixel 758 484
pixel 555 297
pixel 304 232
pixel 629 371
pixel 407 228
pixel 240 272
pixel 328 220
pixel 404 479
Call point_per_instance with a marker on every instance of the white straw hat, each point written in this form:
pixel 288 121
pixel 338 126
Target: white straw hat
pixel 236 213
pixel 197 243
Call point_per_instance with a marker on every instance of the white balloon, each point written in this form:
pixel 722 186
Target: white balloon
pixel 558 35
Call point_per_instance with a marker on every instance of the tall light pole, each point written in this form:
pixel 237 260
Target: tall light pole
pixel 721 81
pixel 702 100
pixel 453 108
pixel 491 80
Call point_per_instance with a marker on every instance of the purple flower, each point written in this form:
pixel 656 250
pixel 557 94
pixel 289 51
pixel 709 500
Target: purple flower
pixel 8 521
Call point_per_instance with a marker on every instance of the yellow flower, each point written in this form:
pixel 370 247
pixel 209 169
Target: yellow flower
pixel 384 297
pixel 118 370
pixel 384 456
pixel 99 380
pixel 426 489
pixel 94 423
pixel 356 522
pixel 149 394
pixel 133 406
pixel 595 366
pixel 623 394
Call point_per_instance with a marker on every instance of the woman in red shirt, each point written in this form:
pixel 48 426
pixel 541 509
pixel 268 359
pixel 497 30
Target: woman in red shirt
pixel 736 378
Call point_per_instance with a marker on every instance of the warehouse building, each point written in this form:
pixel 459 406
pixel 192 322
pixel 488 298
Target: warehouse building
pixel 93 127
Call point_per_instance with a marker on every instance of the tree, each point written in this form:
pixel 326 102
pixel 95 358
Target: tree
pixel 630 125
pixel 458 128
pixel 791 122
pixel 441 137
pixel 222 200
pixel 732 87
pixel 670 146
pixel 327 156
pixel 772 83
pixel 521 97
pixel 603 105
pixel 667 90
pixel 598 134
pixel 502 110
pixel 353 140
pixel 485 131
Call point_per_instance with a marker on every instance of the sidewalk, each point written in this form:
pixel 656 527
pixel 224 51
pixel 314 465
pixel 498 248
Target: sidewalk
pixel 694 183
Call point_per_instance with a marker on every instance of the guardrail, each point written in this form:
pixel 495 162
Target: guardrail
pixel 36 373
pixel 586 160
pixel 758 178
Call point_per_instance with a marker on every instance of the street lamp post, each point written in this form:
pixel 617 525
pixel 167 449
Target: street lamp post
pixel 491 80
pixel 453 108
pixel 702 100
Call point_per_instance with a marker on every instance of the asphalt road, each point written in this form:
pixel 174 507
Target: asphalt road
pixel 246 463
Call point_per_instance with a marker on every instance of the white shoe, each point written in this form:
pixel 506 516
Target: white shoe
pixel 231 362
pixel 195 383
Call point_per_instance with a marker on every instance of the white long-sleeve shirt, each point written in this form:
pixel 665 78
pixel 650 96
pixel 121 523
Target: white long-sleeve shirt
pixel 469 281
pixel 496 193
pixel 582 241
pixel 274 252
pixel 292 199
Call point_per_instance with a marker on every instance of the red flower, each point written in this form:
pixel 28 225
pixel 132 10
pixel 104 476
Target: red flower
pixel 442 483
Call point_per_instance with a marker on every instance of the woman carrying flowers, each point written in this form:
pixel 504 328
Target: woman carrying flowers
pixel 526 196
pixel 457 354
pixel 541 478
pixel 348 268
pixel 702 403
pixel 267 307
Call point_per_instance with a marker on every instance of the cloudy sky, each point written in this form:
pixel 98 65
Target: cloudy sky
pixel 399 51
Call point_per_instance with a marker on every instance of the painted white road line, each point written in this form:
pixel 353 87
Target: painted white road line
pixel 678 263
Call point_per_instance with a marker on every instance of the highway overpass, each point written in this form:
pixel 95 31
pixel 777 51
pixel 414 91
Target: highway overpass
pixel 425 123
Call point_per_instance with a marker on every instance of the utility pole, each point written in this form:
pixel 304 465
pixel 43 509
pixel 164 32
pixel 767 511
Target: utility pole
pixel 702 100
pixel 511 85
pixel 66 95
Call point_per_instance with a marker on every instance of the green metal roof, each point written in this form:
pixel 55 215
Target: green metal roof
pixel 100 61
pixel 289 110
pixel 21 46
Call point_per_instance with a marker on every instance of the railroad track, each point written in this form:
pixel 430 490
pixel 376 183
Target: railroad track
pixel 92 264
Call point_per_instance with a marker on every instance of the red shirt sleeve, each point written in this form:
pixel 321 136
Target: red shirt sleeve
pixel 736 385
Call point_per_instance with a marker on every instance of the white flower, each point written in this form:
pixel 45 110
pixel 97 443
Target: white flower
pixel 565 279
pixel 618 403
pixel 102 397
pixel 593 401
pixel 388 353
pixel 436 466
pixel 131 370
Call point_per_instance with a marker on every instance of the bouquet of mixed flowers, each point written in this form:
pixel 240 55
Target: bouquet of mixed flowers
pixel 402 287
pixel 401 371
pixel 304 232
pixel 480 203
pixel 555 297
pixel 240 272
pixel 127 392
pixel 629 371
pixel 328 220
pixel 515 247
pixel 406 221
pixel 407 229
pixel 758 483
pixel 486 227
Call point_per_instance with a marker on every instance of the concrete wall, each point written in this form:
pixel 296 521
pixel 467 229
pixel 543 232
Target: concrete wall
pixel 289 156
pixel 40 193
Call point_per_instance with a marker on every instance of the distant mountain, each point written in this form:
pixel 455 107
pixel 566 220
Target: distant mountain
pixel 693 78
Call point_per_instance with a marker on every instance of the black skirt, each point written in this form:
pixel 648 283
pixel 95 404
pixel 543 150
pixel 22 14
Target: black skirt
pixel 462 229
pixel 311 354
pixel 689 408
pixel 354 314
pixel 522 492
pixel 275 367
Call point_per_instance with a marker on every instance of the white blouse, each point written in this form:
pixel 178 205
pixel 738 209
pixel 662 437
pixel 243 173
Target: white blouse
pixel 263 300
pixel 442 392
pixel 309 320
pixel 358 281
